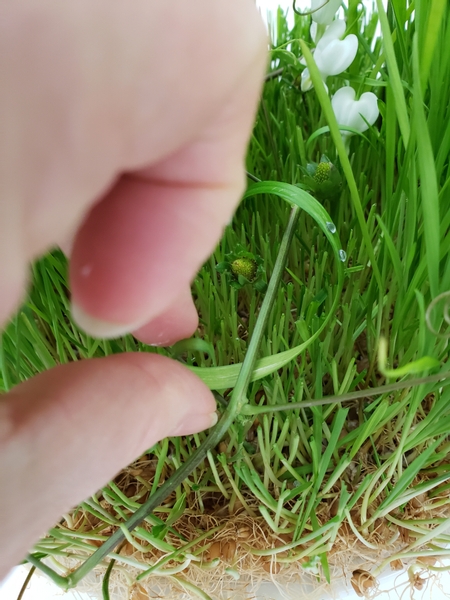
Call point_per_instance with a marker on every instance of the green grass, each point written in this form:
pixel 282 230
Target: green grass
pixel 361 465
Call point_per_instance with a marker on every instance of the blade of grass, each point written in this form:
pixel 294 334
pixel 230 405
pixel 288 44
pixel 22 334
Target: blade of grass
pixel 435 21
pixel 429 187
pixel 394 75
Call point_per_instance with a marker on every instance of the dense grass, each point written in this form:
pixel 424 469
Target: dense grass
pixel 372 470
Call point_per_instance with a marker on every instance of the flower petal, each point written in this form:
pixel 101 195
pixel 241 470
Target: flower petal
pixel 368 108
pixel 337 56
pixel 354 113
pixel 306 82
pixel 324 15
pixel 333 32
pixel 342 102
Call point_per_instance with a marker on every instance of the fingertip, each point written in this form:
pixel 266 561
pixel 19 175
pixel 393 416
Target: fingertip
pixel 139 247
pixel 100 328
pixel 178 322
pixel 196 424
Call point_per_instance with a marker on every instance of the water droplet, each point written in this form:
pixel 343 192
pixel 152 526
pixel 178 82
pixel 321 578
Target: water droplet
pixel 331 226
pixel 342 255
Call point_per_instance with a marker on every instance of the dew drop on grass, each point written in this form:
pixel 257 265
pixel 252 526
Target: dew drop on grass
pixel 342 255
pixel 331 227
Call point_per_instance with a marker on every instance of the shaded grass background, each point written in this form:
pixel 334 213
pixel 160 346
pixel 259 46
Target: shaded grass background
pixel 374 473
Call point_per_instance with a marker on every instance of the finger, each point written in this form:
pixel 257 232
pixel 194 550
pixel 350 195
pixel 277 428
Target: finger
pixel 94 88
pixel 144 242
pixel 138 250
pixel 178 322
pixel 68 431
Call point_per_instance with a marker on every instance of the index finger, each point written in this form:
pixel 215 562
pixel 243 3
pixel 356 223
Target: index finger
pixel 141 246
pixel 92 89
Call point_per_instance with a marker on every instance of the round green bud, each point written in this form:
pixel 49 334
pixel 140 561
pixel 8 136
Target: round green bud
pixel 244 266
pixel 322 172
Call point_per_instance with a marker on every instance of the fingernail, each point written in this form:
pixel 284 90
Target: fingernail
pixel 161 339
pixel 99 328
pixel 195 423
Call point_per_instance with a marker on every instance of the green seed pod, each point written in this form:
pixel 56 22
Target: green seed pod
pixel 322 173
pixel 244 266
pixel 323 179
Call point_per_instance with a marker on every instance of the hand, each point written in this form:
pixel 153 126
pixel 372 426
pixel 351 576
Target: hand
pixel 124 128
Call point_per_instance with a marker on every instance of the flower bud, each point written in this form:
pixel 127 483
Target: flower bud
pixel 322 173
pixel 246 267
pixel 324 11
pixel 241 267
pixel 323 179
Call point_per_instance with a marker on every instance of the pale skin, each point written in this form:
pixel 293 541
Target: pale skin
pixel 124 126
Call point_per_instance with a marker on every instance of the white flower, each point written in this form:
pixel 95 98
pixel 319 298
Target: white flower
pixel 306 81
pixel 332 55
pixel 357 114
pixel 326 10
pixel 313 32
pixel 333 32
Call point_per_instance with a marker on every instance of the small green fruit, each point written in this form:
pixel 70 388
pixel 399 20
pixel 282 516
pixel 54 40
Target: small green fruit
pixel 322 172
pixel 244 266
pixel 323 179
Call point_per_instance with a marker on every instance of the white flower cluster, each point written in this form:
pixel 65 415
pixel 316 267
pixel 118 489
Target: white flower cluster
pixel 333 55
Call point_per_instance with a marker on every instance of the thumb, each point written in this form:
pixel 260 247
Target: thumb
pixel 66 432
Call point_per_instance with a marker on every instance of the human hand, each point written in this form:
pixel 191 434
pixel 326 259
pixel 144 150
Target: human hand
pixel 124 127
